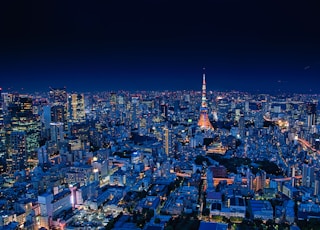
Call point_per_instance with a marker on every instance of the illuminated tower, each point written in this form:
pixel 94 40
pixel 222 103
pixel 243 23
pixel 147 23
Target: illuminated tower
pixel 204 122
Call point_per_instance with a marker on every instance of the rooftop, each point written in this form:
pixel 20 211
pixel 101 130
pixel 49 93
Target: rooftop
pixel 214 195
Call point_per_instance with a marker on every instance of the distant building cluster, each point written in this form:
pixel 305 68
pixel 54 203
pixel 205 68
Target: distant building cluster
pixel 146 159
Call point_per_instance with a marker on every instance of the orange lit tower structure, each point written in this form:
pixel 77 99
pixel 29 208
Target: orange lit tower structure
pixel 204 122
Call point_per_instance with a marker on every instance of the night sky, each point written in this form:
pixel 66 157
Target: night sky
pixel 257 46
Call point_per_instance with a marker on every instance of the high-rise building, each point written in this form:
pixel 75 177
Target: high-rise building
pixel 22 129
pixel 204 122
pixel 113 98
pixel 167 141
pixel 56 130
pixel 260 180
pixel 17 152
pixel 7 98
pixel 58 114
pixel 2 135
pixel 164 110
pixel 316 190
pixel 43 157
pixel 135 101
pixel 76 108
pixel 58 96
pixel 311 114
pixel 46 120
pixel 59 101
pixel 307 175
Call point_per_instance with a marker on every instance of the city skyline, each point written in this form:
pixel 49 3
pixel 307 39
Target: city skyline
pixel 160 45
pixel 104 123
pixel 86 159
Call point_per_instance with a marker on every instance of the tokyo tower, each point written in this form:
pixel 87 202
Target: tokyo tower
pixel 204 122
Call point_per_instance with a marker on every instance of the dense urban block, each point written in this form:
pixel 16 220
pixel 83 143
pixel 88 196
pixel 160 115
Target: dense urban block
pixel 159 160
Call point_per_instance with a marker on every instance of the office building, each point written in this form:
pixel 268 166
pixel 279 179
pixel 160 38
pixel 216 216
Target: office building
pixel 59 101
pixel 311 114
pixel 22 132
pixel 307 175
pixel 76 108
pixel 167 141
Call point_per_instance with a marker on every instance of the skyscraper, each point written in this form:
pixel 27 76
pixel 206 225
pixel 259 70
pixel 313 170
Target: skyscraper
pixel 56 130
pixel 22 132
pixel 307 175
pixel 76 108
pixel 46 120
pixel 316 189
pixel 59 101
pixel 204 122
pixel 167 144
pixel 58 96
pixel 311 114
pixel 113 98
pixel 2 135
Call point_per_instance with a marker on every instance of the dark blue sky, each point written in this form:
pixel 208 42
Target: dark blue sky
pixel 133 45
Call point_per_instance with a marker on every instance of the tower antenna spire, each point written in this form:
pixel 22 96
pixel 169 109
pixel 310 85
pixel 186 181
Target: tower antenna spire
pixel 204 122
